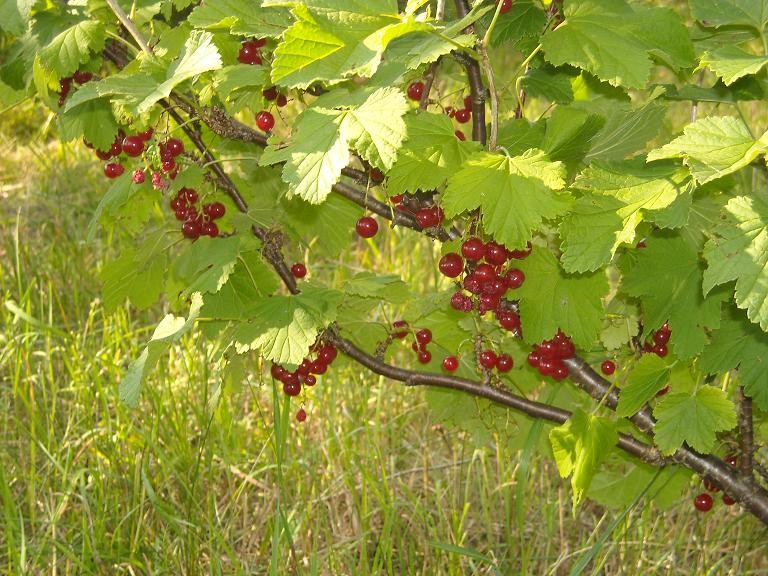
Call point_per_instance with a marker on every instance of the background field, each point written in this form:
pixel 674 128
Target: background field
pixel 198 483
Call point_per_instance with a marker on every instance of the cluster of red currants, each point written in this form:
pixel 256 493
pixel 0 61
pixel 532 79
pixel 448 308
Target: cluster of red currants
pixel 131 145
pixel 65 84
pixel 428 215
pixel 422 338
pixel 196 222
pixel 548 356
pixel 703 502
pixel 306 373
pixel 250 51
pixel 272 95
pixel 488 276
pixel 489 360
pixel 658 341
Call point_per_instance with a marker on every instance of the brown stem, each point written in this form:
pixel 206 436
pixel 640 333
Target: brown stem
pixel 746 433
pixel 476 87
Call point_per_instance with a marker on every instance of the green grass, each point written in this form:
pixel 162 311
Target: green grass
pixel 184 484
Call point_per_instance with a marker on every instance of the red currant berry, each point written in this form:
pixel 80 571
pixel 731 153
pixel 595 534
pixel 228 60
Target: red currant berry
pixel 504 363
pixel 560 372
pixel 259 42
pixel 191 229
pixel 378 176
pixel 506 6
pixel 728 501
pixel 660 350
pixel 533 359
pixel 249 54
pixel 175 147
pixel 189 194
pixel 215 210
pixel 508 320
pixel 327 354
pixel 270 93
pixel 485 272
pixel 277 371
pixel 488 359
pixel 366 227
pixel 426 217
pixel 292 387
pixel 281 100
pixel 732 460
pixel 147 134
pixel 133 146
pixel 301 415
pixel 461 302
pixel 424 336
pixel 711 486
pixel 514 278
pixel 521 254
pixel 209 229
pixel 451 265
pixel 298 270
pixel 318 366
pixel 495 254
pixel 139 176
pixel 310 380
pixel 113 170
pixel 450 363
pixel 117 148
pixel 460 135
pixel 473 284
pixel 416 90
pixel 468 102
pixel 81 77
pixel 425 356
pixel 608 367
pixel 463 115
pixel 400 324
pixel 473 249
pixel 396 199
pixel 703 502
pixel 265 121
pixel 662 392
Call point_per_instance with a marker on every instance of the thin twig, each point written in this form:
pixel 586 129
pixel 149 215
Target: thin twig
pixel 746 433
pixel 129 25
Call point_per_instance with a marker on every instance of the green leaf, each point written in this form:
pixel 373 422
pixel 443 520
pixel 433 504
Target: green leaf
pixel 516 194
pixel 526 20
pixel 328 226
pixel 205 265
pixel 250 280
pixel 580 446
pixel 571 302
pixel 752 13
pixel 626 130
pixel 738 251
pixel 246 18
pixel 649 375
pixel 93 121
pixel 169 331
pixel 695 419
pixel 740 344
pixel 370 122
pixel 123 89
pixel 199 55
pixel 592 231
pixel 314 160
pixel 284 327
pixel 731 63
pixel 713 147
pixel 14 15
pixel 596 227
pixel 137 276
pixel 667 278
pixel 73 47
pixel 548 82
pixel 569 133
pixel 386 287
pixel 620 324
pixel 615 42
pixel 241 83
pixel 429 156
pixel 618 488
pixel 333 44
